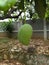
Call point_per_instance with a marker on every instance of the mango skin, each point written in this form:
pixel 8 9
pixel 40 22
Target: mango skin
pixel 5 5
pixel 25 33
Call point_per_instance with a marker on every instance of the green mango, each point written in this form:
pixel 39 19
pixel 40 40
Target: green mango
pixel 6 4
pixel 25 33
pixel 3 4
pixel 11 2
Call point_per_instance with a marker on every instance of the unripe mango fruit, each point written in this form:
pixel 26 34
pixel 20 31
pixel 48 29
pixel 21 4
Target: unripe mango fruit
pixel 6 4
pixel 25 33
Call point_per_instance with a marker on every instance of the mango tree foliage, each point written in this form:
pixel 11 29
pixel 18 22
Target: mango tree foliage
pixel 21 5
pixel 39 7
pixel 47 10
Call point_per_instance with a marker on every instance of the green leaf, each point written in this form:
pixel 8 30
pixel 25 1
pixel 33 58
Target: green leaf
pixel 40 7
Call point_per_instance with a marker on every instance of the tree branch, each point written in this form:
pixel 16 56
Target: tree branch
pixel 5 17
